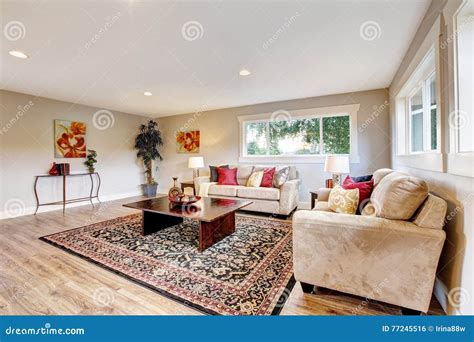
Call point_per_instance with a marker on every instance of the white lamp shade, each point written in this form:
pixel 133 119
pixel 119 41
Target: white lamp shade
pixel 336 164
pixel 195 162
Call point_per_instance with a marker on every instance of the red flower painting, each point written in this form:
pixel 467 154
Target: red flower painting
pixel 70 139
pixel 188 142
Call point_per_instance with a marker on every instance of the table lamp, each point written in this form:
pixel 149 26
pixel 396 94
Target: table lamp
pixel 195 163
pixel 337 165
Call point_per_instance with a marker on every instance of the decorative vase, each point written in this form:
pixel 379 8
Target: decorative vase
pixel 175 190
pixel 53 171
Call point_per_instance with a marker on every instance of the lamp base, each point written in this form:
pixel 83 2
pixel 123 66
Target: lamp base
pixel 336 179
pixel 195 173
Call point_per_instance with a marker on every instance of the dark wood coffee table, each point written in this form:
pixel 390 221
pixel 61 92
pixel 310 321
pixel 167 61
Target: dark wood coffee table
pixel 216 216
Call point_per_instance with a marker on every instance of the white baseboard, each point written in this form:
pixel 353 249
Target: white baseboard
pixel 47 208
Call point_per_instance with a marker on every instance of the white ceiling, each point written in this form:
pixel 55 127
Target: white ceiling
pixel 317 49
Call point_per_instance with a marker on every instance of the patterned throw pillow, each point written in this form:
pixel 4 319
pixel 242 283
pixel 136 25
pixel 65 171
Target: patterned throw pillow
pixel 281 176
pixel 255 179
pixel 343 201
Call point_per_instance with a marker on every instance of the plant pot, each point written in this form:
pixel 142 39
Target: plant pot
pixel 91 170
pixel 149 190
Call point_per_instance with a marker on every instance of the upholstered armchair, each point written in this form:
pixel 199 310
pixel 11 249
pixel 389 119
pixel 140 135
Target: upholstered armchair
pixel 388 260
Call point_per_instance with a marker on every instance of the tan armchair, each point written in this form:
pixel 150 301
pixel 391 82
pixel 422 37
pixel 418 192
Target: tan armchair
pixel 392 261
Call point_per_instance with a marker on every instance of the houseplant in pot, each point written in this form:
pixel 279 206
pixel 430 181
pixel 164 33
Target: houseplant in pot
pixel 147 143
pixel 91 160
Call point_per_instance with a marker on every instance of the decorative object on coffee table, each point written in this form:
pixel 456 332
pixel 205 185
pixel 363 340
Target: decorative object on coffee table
pixel 195 163
pixel 147 143
pixel 184 200
pixel 337 165
pixel 188 184
pixel 91 160
pixel 174 190
pixel 216 217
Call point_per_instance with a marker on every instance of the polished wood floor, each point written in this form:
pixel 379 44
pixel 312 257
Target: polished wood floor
pixel 39 279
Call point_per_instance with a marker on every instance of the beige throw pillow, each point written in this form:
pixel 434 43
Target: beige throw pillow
pixel 255 179
pixel 398 196
pixel 343 201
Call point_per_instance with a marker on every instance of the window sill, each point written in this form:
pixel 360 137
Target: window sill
pixel 432 161
pixel 354 159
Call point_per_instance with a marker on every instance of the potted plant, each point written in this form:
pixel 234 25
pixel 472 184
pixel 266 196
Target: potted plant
pixel 147 143
pixel 91 160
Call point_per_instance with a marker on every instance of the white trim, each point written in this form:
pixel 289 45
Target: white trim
pixel 43 209
pixel 321 112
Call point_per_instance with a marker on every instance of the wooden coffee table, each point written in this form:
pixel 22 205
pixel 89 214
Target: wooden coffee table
pixel 216 216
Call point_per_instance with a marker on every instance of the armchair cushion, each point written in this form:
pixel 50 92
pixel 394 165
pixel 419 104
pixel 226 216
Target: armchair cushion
pixel 432 213
pixel 344 201
pixel 398 196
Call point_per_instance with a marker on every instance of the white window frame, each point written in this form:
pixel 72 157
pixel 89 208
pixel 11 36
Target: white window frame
pixel 424 85
pixel 458 162
pixel 321 112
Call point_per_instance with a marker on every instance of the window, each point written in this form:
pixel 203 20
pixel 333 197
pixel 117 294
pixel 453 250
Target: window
pixel 417 111
pixel 424 117
pixel 300 134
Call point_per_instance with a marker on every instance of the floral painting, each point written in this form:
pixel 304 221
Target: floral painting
pixel 188 142
pixel 69 139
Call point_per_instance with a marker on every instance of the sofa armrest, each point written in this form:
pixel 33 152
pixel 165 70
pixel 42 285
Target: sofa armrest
pixel 389 260
pixel 323 194
pixel 199 180
pixel 289 194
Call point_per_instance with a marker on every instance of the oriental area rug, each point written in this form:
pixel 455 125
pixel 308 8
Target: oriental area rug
pixel 247 273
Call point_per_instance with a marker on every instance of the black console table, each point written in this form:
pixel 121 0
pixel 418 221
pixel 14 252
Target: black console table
pixel 65 200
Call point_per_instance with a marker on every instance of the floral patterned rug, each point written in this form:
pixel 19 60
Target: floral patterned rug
pixel 247 273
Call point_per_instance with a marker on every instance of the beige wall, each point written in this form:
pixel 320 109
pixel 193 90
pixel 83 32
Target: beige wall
pixel 455 272
pixel 220 137
pixel 27 149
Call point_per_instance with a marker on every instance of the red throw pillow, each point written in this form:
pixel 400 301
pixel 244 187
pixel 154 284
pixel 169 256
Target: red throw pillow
pixel 227 176
pixel 365 188
pixel 267 180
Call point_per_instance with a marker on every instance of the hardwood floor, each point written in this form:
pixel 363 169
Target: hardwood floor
pixel 39 279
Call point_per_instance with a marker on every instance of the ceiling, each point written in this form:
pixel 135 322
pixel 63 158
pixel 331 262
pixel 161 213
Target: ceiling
pixel 188 54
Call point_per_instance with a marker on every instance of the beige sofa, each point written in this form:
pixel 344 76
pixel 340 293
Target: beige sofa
pixel 388 260
pixel 276 201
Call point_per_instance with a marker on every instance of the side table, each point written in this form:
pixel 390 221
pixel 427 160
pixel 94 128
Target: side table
pixel 314 197
pixel 65 201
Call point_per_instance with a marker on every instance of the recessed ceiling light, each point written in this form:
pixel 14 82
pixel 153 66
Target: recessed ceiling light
pixel 147 93
pixel 18 54
pixel 244 72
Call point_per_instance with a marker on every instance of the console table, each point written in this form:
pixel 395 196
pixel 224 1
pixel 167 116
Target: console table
pixel 65 200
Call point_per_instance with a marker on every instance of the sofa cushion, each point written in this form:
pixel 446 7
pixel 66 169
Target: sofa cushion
pixel 282 174
pixel 223 190
pixel 243 173
pixel 259 193
pixel 255 179
pixel 267 180
pixel 213 174
pixel 227 176
pixel 321 206
pixel 379 174
pixel 398 196
pixel 343 201
pixel 432 213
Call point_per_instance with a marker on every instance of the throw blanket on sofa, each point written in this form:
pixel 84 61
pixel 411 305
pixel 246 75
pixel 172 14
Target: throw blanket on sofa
pixel 204 188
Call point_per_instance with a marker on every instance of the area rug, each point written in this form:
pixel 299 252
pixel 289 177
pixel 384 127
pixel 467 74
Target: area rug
pixel 247 273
